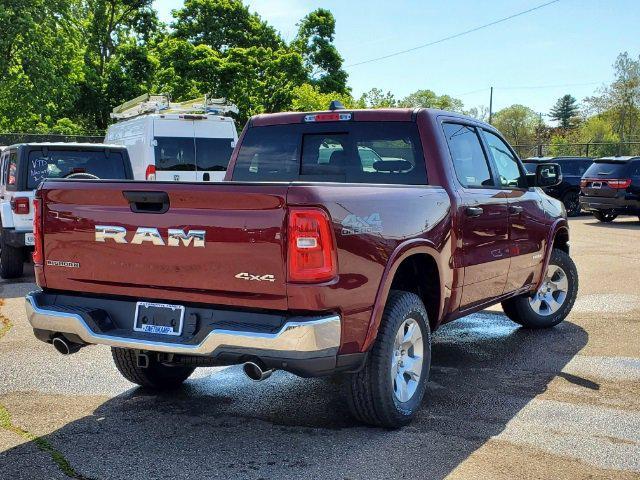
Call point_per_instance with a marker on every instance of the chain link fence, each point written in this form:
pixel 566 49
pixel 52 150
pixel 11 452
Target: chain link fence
pixel 592 149
pixel 13 138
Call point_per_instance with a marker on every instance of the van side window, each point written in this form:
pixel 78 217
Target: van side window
pixel 469 160
pixel 509 174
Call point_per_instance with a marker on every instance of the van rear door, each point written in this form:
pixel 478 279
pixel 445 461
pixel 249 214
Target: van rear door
pixel 174 149
pixel 215 139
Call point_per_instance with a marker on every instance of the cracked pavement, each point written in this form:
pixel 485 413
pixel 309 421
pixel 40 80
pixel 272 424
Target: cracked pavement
pixel 503 402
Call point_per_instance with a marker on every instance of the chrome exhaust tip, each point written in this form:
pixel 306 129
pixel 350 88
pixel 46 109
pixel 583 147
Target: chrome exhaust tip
pixel 64 346
pixel 255 372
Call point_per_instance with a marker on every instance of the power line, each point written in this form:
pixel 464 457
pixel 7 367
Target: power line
pixel 528 87
pixel 450 37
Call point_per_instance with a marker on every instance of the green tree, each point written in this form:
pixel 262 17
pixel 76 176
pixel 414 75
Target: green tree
pixel 117 63
pixel 565 111
pixel 321 58
pixel 376 98
pixel 428 99
pixel 518 123
pixel 308 98
pixel 621 100
pixel 39 63
pixel 223 24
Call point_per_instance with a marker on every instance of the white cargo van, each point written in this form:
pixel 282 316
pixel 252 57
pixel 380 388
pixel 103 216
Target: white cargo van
pixel 189 141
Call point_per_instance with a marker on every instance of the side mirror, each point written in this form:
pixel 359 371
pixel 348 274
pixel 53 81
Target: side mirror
pixel 547 175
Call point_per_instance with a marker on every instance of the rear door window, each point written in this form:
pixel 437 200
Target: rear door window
pixel 604 169
pixel 469 160
pixel 351 152
pixel 12 171
pixel 64 163
pixel 213 154
pixel 175 154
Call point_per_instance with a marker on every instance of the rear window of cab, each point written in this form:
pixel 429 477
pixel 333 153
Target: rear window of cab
pixel 348 152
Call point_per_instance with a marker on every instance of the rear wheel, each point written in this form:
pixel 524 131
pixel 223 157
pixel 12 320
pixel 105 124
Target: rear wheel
pixel 156 375
pixel 571 202
pixel 553 301
pixel 605 216
pixel 11 260
pixel 389 389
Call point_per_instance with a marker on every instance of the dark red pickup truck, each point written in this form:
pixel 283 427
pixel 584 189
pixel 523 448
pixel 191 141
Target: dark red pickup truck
pixel 339 241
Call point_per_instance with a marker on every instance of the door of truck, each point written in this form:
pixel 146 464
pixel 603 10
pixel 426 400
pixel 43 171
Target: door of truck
pixel 482 216
pixel 528 226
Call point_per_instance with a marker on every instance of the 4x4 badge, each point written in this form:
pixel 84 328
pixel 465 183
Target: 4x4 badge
pixel 355 225
pixel 255 278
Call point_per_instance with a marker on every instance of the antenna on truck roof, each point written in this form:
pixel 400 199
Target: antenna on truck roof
pixel 161 103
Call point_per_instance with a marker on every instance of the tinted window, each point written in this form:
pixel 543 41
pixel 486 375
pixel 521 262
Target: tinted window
pixel 268 153
pixel 607 170
pixel 509 174
pixel 635 168
pixel 213 154
pixel 575 168
pixel 175 153
pixel 468 157
pixel 61 164
pixel 353 152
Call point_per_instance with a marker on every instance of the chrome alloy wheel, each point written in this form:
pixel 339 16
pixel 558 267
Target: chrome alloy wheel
pixel 406 363
pixel 552 293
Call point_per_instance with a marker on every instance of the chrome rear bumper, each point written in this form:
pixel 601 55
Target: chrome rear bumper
pixel 297 339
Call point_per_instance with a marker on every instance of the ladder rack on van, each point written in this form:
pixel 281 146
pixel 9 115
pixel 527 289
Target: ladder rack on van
pixel 161 103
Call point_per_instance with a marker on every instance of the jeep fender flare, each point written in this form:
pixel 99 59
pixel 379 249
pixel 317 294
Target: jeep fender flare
pixel 559 226
pixel 402 252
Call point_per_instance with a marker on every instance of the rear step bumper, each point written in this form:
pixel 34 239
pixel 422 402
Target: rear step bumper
pixel 307 346
pixel 619 204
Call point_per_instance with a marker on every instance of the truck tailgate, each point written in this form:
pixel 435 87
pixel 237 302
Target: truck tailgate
pixel 240 263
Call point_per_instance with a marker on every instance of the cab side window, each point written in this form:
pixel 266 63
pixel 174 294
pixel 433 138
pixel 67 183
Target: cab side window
pixel 12 171
pixel 469 160
pixel 506 163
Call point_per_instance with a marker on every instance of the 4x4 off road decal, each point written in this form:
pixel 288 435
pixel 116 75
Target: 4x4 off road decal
pixel 355 225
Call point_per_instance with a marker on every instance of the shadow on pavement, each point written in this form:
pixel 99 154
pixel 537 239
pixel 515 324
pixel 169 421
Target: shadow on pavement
pixel 485 371
pixel 617 224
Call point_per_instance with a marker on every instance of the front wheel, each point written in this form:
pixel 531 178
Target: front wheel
pixel 571 203
pixel 553 301
pixel 156 375
pixel 388 391
pixel 605 216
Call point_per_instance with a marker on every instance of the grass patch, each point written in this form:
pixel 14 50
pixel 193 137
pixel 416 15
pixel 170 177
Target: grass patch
pixel 57 457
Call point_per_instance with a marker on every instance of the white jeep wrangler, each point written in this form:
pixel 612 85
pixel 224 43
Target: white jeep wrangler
pixel 24 166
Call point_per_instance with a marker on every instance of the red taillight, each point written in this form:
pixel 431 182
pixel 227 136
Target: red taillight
pixel 20 205
pixel 312 252
pixel 37 232
pixel 619 183
pixel 150 174
pixel 583 182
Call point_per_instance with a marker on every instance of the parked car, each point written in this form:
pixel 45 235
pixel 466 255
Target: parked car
pixel 568 191
pixel 174 142
pixel 611 187
pixel 24 166
pixel 307 265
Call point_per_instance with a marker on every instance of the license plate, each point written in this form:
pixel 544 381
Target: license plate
pixel 159 318
pixel 29 240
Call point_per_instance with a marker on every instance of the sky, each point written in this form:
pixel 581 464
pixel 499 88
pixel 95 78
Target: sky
pixel 533 59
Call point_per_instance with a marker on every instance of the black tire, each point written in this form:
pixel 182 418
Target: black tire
pixel 520 311
pixel 11 260
pixel 571 201
pixel 605 216
pixel 370 391
pixel 156 376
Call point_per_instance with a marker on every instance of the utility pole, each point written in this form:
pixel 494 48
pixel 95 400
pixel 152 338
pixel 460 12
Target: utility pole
pixel 490 105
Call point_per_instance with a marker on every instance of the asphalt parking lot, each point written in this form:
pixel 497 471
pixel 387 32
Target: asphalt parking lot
pixel 503 402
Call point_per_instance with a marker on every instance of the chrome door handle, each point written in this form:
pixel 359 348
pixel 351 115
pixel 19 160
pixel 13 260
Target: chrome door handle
pixel 473 211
